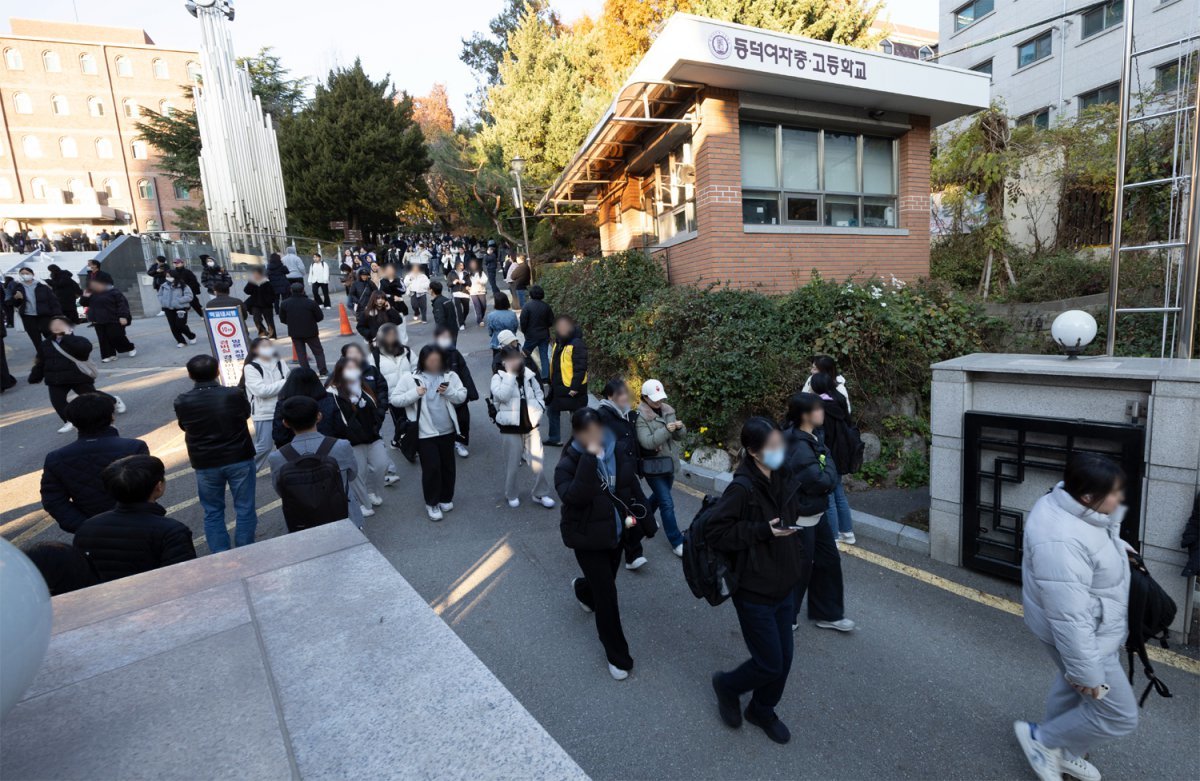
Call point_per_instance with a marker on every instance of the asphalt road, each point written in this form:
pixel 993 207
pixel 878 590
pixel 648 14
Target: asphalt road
pixel 925 689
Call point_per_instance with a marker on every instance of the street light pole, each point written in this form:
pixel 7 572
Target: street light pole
pixel 518 165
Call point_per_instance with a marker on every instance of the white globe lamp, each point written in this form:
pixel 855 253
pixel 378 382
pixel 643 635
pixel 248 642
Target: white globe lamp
pixel 24 623
pixel 1073 330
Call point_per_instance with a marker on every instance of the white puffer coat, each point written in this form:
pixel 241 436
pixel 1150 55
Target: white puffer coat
pixel 507 396
pixel 1075 583
pixel 264 381
pixel 397 372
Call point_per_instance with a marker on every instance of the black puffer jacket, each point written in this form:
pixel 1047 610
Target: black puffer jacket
pixel 457 363
pixel 58 369
pixel 537 318
pixel 108 307
pixel 767 567
pixel 213 419
pixel 72 490
pixel 67 291
pixel 346 420
pixel 211 277
pixel 259 295
pixel 568 372
pixel 589 515
pixel 133 538
pixel 301 315
pixel 810 471
pixel 277 276
pixel 623 428
pixel 835 434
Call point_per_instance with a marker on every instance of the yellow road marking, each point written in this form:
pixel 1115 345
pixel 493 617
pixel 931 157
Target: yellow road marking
pixel 1161 655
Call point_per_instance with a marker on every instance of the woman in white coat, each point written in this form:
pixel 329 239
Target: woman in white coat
pixel 431 404
pixel 394 361
pixel 263 375
pixel 1075 589
pixel 514 386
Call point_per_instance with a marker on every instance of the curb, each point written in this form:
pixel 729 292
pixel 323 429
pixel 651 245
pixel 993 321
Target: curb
pixel 870 526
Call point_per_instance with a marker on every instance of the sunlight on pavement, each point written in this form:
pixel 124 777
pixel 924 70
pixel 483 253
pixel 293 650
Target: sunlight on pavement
pixel 488 569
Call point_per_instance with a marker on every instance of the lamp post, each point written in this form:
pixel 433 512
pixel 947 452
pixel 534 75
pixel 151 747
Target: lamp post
pixel 518 165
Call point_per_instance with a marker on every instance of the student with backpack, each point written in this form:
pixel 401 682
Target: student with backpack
pixel 843 441
pixel 517 394
pixel 602 501
pixel 1075 577
pixel 313 473
pixel 812 475
pixel 263 376
pixel 754 525
pixel 356 418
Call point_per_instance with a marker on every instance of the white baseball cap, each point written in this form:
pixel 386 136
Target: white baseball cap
pixel 653 390
pixel 506 337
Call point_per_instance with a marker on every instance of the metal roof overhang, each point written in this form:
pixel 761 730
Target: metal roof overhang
pixel 60 211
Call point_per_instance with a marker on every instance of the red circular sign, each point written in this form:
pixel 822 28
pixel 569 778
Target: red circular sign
pixel 226 328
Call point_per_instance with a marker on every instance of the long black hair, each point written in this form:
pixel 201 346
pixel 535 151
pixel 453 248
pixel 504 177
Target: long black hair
pixel 825 365
pixel 302 382
pixel 428 350
pixel 1094 476
pixel 756 431
pixel 799 405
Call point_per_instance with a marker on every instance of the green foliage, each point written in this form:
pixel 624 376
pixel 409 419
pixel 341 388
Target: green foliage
pixel 846 22
pixel 483 52
pixel 191 218
pixel 732 353
pixel 914 469
pixel 280 96
pixel 354 153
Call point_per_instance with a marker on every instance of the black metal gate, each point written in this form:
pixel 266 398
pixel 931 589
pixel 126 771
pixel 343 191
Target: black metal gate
pixel 1009 460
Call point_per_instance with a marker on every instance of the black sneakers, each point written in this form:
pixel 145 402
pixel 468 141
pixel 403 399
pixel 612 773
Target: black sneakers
pixel 729 706
pixel 776 730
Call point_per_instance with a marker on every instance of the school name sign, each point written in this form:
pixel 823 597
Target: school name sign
pixel 723 46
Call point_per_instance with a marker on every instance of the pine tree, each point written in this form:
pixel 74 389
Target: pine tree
pixel 846 22
pixel 355 153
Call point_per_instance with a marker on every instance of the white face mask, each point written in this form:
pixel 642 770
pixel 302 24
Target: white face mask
pixel 352 375
pixel 445 343
pixel 27 278
pixel 266 351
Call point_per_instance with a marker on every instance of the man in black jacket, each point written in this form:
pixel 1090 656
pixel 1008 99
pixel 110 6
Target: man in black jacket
pixel 537 318
pixel 568 374
pixel 136 536
pixel 72 490
pixel 189 278
pixel 213 419
pixel 301 315
pixel 108 311
pixel 260 298
pixel 66 290
pixel 445 314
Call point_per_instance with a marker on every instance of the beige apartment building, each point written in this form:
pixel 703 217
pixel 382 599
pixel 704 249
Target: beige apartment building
pixel 70 157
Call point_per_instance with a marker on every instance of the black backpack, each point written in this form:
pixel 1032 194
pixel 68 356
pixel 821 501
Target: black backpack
pixel 709 572
pixel 311 488
pixel 1151 612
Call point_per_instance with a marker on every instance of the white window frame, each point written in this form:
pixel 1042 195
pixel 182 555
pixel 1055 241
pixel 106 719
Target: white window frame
pixel 674 203
pixel 104 148
pixel 22 103
pixel 123 66
pixel 159 68
pixel 51 62
pixel 88 57
pixel 57 102
pixel 67 143
pixel 13 60
pixel 141 146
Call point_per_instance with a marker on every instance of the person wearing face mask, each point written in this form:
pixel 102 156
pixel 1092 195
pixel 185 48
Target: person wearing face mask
pixel 356 419
pixel 175 298
pixel 393 287
pixel 108 311
pixel 477 287
pixel 189 278
pixel 456 362
pixel 616 410
pixel 431 404
pixel 62 362
pixel 460 291
pixel 213 274
pixel 602 501
pixel 517 393
pixel 36 303
pixel 318 280
pixel 264 376
pixel 1075 593
pixel 658 432
pixel 813 475
pixel 395 363
pixel 754 522
pixel 416 282
pixel 378 311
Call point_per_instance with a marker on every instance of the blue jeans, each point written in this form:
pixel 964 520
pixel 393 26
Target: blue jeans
pixel 520 298
pixel 661 500
pixel 210 485
pixel 767 630
pixel 555 424
pixel 839 510
pixel 543 350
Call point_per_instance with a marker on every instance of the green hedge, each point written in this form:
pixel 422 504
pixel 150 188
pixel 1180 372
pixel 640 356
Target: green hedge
pixel 726 354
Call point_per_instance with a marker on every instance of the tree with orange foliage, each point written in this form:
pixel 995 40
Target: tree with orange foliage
pixel 433 112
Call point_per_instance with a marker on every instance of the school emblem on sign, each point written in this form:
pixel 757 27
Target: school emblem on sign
pixel 719 45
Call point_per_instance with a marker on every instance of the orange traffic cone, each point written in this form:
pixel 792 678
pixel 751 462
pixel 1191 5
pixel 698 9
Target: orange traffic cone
pixel 295 358
pixel 346 331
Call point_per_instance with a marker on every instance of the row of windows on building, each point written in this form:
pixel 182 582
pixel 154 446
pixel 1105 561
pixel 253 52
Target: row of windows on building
pixel 60 106
pixel 39 189
pixel 68 148
pixel 52 63
pixel 1166 81
pixel 1096 19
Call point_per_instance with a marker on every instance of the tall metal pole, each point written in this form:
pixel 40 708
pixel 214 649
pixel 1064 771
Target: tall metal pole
pixel 1190 284
pixel 524 228
pixel 1110 341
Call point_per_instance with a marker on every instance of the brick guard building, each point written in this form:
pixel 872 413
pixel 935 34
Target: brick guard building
pixel 750 158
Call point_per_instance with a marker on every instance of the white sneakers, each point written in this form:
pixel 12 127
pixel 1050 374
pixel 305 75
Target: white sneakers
pixel 1078 767
pixel 841 625
pixel 180 345
pixel 617 673
pixel 461 449
pixel 678 550
pixel 367 512
pixel 636 564
pixel 120 405
pixel 514 502
pixel 390 480
pixel 67 428
pixel 190 341
pixel 133 352
pixel 1045 761
pixel 545 501
pixel 579 601
pixel 112 358
pixel 375 499
pixel 434 512
pixel 847 538
pixel 446 506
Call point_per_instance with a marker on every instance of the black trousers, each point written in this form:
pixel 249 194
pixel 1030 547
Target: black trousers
pixel 767 630
pixel 420 305
pixel 320 293
pixel 463 413
pixel 631 543
pixel 598 590
pixel 112 339
pixel 197 306
pixel 6 379
pixel 437 468
pixel 58 394
pixel 463 305
pixel 264 320
pixel 824 586
pixel 179 325
pixel 37 328
pixel 302 346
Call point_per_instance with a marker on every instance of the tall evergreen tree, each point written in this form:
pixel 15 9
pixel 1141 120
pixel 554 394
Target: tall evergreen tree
pixel 355 153
pixel 837 21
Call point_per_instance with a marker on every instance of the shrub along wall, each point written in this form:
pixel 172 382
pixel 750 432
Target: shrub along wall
pixel 727 354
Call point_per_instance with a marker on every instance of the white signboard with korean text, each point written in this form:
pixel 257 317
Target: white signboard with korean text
pixel 227 336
